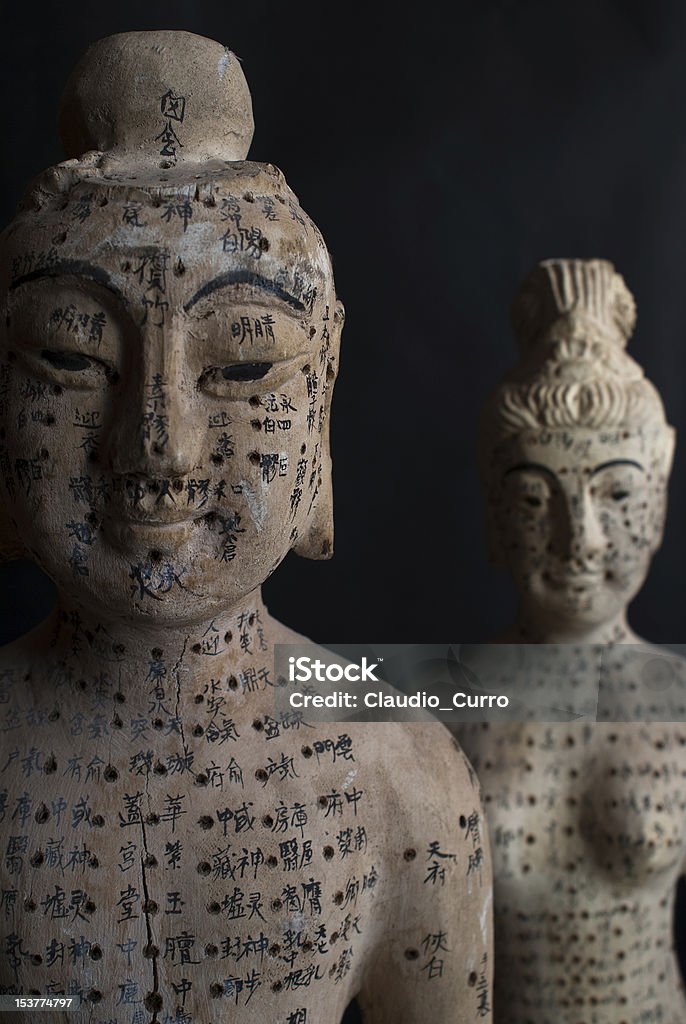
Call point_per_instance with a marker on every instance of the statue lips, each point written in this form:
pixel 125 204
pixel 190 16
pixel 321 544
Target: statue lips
pixel 160 521
pixel 164 530
pixel 148 512
pixel 587 579
pixel 165 533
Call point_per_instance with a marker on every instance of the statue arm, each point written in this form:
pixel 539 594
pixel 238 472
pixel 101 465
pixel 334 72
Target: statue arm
pixel 433 958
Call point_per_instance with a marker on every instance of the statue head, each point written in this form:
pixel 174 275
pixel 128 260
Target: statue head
pixel 169 344
pixel 575 451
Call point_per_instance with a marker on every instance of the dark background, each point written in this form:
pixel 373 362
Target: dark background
pixel 442 152
pixel 442 155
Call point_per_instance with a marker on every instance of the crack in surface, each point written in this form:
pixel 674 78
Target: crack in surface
pixel 177 678
pixel 146 912
pixel 145 852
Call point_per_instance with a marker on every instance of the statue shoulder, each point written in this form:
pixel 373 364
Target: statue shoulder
pixel 643 682
pixel 428 778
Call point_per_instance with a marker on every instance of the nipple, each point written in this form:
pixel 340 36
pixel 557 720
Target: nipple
pixel 158 99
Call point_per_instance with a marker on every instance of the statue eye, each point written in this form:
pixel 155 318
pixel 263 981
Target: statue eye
pixel 70 369
pixel 73 361
pixel 217 379
pixel 234 380
pixel 533 501
pixel 620 495
pixel 246 371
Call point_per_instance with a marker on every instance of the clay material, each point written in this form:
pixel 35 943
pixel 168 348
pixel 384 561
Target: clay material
pixel 173 850
pixel 587 819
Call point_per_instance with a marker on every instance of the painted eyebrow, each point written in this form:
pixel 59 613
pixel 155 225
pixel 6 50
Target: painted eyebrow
pixel 74 268
pixel 265 284
pixel 617 462
pixel 523 466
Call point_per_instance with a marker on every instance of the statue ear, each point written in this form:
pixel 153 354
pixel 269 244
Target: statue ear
pixel 668 451
pixel 317 540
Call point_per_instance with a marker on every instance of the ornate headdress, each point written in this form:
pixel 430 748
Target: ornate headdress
pixel 572 319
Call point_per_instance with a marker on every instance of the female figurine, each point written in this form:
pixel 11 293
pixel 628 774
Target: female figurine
pixel 173 848
pixel 588 821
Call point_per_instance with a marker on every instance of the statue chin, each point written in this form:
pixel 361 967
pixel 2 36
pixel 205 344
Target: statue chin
pixel 575 604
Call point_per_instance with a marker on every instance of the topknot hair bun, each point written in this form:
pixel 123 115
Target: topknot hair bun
pixel 159 99
pixel 586 296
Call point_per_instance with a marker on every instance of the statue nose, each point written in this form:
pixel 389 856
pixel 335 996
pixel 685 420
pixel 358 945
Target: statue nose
pixel 580 532
pixel 157 443
pixel 166 434
pixel 152 432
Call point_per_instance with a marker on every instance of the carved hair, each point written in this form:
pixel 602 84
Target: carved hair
pixel 572 319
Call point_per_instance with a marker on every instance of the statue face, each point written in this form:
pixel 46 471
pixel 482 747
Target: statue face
pixel 166 383
pixel 576 515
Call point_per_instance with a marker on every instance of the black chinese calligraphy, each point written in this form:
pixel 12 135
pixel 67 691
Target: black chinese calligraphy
pixel 173 111
pixel 171 849
pixel 231 412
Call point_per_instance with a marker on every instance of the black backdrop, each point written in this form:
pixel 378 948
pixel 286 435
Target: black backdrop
pixel 442 151
pixel 442 155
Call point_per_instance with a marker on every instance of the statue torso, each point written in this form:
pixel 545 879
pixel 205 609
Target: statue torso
pixel 178 850
pixel 588 826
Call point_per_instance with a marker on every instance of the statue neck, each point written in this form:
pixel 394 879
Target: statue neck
pixel 88 643
pixel 532 627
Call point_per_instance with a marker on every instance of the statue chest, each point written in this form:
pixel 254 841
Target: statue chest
pixel 605 803
pixel 166 871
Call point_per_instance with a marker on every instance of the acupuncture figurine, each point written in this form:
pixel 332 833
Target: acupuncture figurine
pixel 174 850
pixel 588 819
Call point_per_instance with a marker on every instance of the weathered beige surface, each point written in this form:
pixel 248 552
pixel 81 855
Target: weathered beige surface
pixel 588 821
pixel 172 851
